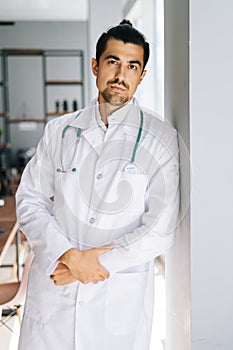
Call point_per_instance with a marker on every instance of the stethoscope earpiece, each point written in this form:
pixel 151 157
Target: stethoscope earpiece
pixel 59 170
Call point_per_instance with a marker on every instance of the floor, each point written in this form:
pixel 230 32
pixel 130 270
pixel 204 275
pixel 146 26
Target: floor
pixel 9 332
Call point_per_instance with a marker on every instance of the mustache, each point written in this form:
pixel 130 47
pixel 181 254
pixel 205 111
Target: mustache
pixel 119 82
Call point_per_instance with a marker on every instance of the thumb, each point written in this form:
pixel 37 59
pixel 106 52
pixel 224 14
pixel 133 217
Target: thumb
pixel 104 249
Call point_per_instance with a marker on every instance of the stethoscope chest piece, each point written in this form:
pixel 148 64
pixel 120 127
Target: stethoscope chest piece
pixel 130 168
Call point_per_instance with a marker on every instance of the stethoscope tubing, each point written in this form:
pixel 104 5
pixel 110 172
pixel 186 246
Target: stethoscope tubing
pixel 79 133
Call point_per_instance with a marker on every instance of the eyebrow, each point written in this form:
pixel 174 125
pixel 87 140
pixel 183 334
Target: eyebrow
pixel 118 59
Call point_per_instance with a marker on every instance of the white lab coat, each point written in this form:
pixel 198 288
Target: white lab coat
pixel 97 204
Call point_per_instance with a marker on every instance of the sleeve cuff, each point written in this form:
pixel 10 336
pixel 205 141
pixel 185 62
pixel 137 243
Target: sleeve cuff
pixel 55 261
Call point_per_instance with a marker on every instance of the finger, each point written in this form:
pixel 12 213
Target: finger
pixel 101 278
pixel 65 275
pixel 62 267
pixel 63 281
pixel 104 273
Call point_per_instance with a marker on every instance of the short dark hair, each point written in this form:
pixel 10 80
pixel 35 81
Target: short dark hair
pixel 126 33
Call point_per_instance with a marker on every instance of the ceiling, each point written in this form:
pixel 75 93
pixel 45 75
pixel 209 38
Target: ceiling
pixel 43 10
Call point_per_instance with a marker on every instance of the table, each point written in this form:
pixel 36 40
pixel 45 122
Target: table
pixel 9 224
pixel 7 212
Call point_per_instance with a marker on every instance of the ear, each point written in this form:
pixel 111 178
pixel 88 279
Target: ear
pixel 142 76
pixel 94 66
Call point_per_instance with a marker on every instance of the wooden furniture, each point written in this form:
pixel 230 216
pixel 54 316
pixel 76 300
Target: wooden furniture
pixel 9 224
pixel 12 295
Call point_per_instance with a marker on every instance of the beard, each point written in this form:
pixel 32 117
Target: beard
pixel 115 98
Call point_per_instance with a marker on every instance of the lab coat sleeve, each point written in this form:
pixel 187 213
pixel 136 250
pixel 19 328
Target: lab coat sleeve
pixel 157 230
pixel 34 206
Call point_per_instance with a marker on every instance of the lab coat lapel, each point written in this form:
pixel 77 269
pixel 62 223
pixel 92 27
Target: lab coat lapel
pixel 94 138
pixel 86 121
pixel 120 142
pixel 127 130
pixel 131 125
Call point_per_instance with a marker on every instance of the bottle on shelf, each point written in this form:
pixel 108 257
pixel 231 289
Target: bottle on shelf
pixel 57 106
pixel 65 106
pixel 75 105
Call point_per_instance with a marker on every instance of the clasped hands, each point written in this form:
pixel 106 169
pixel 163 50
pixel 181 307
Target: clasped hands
pixel 80 265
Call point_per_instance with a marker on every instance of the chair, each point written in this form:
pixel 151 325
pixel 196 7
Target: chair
pixel 13 294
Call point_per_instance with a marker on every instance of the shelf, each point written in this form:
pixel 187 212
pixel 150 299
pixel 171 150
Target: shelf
pixel 63 53
pixel 49 114
pixel 25 120
pixel 64 82
pixel 23 52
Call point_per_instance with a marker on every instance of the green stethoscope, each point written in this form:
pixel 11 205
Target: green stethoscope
pixel 130 168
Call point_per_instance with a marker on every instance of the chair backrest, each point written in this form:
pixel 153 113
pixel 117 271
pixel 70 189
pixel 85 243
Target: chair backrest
pixel 16 290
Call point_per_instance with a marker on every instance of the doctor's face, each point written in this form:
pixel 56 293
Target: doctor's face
pixel 119 72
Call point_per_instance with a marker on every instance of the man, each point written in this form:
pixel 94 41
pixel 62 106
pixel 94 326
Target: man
pixel 98 203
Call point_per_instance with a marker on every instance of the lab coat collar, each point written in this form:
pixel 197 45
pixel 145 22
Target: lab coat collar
pixel 89 123
pixel 116 117
pixel 87 120
pixel 84 119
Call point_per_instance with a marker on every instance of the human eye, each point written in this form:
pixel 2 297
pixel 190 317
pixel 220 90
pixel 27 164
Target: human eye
pixel 112 62
pixel 133 66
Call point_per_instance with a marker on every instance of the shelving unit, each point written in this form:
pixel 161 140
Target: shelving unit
pixel 65 85
pixel 64 82
pixel 53 82
pixel 50 82
pixel 25 120
pixel 4 144
pixel 2 114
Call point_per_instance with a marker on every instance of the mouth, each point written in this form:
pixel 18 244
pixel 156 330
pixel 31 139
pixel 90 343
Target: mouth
pixel 117 88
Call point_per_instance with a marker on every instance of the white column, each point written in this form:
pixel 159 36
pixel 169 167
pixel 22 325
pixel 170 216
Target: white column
pixel 176 88
pixel 199 268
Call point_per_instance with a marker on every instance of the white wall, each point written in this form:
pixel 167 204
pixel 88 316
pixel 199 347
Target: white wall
pixel 176 85
pixel 147 94
pixel 142 14
pixel 211 135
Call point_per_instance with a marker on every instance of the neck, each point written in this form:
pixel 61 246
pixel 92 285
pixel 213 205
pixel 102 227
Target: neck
pixel 106 109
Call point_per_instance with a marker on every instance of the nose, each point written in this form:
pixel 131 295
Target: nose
pixel 120 73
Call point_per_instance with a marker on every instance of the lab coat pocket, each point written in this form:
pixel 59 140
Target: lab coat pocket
pixel 137 182
pixel 132 196
pixel 124 301
pixel 42 296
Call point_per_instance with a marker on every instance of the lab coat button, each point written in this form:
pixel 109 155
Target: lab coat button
pixel 99 176
pixel 81 302
pixel 92 220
